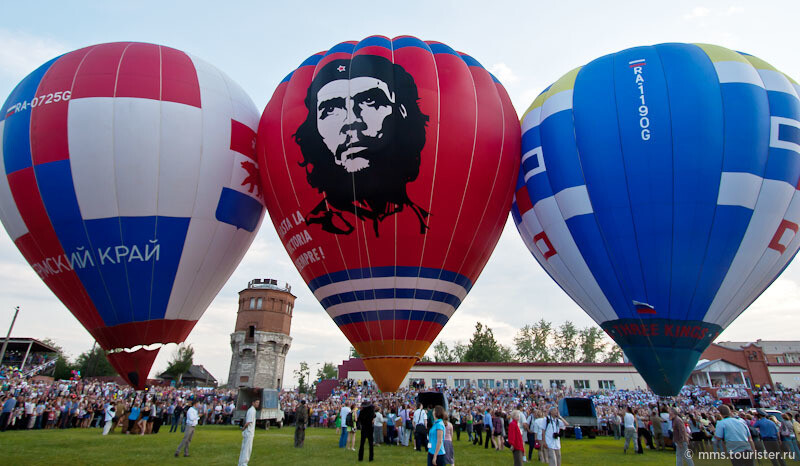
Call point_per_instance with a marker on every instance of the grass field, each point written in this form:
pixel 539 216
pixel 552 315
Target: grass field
pixel 220 445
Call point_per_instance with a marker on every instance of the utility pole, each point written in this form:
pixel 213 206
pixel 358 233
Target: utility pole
pixel 5 343
pixel 92 366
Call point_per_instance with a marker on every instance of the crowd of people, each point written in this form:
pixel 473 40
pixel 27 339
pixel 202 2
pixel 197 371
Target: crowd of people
pixel 638 418
pixel 65 404
pixel 524 421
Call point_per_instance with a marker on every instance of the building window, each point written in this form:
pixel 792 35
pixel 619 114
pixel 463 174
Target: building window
pixel 581 384
pixel 461 383
pixel 510 383
pixel 251 331
pixel 557 383
pixel 412 381
pixel 252 303
pixel 606 385
pixel 259 302
pixel 485 383
pixel 438 382
pixel 533 383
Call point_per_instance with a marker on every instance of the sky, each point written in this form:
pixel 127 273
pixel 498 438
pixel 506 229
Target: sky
pixel 527 45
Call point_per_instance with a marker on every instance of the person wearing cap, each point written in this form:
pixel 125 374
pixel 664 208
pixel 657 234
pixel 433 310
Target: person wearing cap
pixel 769 435
pixel 301 421
pixel 735 436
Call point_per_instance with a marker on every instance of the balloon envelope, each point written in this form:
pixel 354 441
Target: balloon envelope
pixel 389 166
pixel 658 188
pixel 131 188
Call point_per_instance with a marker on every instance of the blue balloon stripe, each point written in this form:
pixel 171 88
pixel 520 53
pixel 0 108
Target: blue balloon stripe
pixel 596 126
pixel 390 271
pixel 373 41
pixel 16 112
pixel 54 180
pixel 647 152
pixel 391 293
pixel 398 314
pixel 697 154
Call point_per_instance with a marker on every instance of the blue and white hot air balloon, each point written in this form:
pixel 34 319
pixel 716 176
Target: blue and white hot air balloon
pixel 659 188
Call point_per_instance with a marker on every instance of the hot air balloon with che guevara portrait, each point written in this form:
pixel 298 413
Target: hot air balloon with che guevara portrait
pixel 658 187
pixel 389 166
pixel 131 187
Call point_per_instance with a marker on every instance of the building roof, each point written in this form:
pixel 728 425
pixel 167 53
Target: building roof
pixel 768 346
pixel 717 365
pixel 196 372
pixel 525 364
pixel 21 344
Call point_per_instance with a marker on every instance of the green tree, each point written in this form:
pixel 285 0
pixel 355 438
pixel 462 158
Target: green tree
pixel 441 353
pixel 592 343
pixel 353 353
pixel 302 374
pixel 327 371
pixel 94 363
pixel 63 364
pixel 482 346
pixel 566 340
pixel 614 353
pixel 532 342
pixel 505 354
pixel 459 350
pixel 182 360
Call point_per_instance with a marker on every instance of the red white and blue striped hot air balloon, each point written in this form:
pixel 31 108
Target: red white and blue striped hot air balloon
pixel 389 166
pixel 659 188
pixel 132 189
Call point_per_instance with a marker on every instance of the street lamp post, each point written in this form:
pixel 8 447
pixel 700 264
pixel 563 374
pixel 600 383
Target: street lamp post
pixel 5 343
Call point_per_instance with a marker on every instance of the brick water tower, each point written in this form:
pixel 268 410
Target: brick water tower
pixel 261 339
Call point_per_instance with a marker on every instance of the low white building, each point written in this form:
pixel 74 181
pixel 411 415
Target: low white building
pixel 591 376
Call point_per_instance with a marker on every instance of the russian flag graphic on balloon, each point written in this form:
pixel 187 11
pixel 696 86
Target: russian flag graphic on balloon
pixel 389 170
pixel 131 188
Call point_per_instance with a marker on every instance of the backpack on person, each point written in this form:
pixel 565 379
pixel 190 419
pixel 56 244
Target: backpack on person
pixel 349 420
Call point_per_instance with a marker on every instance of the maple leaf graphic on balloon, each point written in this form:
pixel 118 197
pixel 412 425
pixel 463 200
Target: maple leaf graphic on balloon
pixel 252 178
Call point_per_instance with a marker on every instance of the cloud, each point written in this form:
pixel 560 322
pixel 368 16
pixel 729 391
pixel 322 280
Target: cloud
pixel 504 73
pixel 21 53
pixel 734 10
pixel 697 12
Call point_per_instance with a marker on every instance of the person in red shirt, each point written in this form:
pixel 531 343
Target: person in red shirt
pixel 515 438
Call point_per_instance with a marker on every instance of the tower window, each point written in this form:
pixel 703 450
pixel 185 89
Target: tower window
pixel 260 302
pixel 251 331
pixel 252 303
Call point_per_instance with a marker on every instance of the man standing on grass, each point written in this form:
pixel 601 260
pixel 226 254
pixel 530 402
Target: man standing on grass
pixel 301 421
pixel 680 438
pixel 108 417
pixel 192 416
pixel 248 432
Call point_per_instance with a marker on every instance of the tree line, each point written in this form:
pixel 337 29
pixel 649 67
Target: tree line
pixel 538 342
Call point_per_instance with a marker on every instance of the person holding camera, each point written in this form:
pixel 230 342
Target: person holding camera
pixel 554 427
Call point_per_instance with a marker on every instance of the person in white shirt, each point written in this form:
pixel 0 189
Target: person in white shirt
pixel 554 425
pixel 377 426
pixel 192 416
pixel 420 427
pixel 108 418
pixel 342 421
pixel 538 430
pixel 248 432
pixel 629 423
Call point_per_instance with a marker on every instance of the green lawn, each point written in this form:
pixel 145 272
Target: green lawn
pixel 220 445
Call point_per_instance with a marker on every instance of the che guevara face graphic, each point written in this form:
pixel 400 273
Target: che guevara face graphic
pixel 361 143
